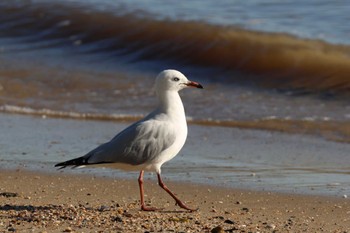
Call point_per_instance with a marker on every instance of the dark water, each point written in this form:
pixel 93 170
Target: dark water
pixel 270 59
pixel 276 66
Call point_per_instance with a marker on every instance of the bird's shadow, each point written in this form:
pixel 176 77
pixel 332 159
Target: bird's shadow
pixel 29 208
pixel 177 211
pixel 174 211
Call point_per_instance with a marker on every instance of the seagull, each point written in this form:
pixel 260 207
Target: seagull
pixel 150 142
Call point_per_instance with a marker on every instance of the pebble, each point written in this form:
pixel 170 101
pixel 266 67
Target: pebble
pixel 118 219
pixel 217 229
pixel 9 194
pixel 345 196
pixel 103 208
pixel 271 226
pixel 126 214
pixel 176 219
pixel 68 229
pixel 228 221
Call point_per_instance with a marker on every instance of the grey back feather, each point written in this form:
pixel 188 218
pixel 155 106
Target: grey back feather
pixel 139 143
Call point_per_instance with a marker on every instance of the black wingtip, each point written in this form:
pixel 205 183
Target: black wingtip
pixel 73 162
pixel 60 164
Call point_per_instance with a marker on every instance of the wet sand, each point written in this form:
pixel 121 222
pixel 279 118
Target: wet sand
pixel 224 156
pixel 43 202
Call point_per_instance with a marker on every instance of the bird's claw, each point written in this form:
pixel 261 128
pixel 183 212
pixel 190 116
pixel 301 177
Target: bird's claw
pixel 183 206
pixel 145 208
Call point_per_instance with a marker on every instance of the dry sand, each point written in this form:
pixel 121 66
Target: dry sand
pixel 37 202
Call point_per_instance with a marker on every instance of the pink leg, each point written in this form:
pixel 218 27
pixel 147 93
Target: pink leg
pixel 143 206
pixel 178 201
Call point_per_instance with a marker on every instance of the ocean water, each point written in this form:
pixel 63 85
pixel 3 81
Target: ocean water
pixel 266 65
pixel 312 19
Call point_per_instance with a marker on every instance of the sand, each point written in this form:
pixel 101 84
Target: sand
pixel 44 202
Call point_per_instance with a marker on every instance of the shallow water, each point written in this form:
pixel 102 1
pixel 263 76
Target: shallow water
pixel 228 157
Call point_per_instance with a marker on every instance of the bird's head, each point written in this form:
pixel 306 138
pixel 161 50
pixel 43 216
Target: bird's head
pixel 173 80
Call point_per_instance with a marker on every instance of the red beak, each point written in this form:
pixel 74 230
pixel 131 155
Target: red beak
pixel 194 84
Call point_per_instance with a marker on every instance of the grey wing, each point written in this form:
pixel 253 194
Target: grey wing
pixel 139 143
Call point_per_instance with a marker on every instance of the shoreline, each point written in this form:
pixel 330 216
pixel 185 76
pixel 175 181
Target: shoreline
pixel 321 127
pixel 84 203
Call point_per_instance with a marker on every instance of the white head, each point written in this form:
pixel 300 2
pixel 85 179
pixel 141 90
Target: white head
pixel 173 80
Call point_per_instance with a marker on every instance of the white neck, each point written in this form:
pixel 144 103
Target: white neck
pixel 170 103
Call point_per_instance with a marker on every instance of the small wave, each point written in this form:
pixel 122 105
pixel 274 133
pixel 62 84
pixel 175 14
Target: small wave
pixel 271 59
pixel 331 130
pixel 44 113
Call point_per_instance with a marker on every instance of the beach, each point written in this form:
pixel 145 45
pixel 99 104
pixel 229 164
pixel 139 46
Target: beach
pixel 268 137
pixel 35 197
pixel 44 202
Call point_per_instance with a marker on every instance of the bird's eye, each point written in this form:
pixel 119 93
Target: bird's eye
pixel 176 79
